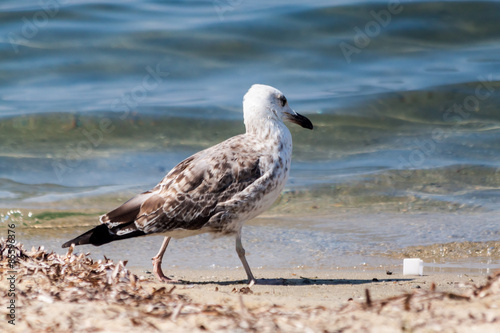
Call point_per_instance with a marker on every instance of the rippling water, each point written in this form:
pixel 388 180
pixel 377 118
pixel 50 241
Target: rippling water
pixel 99 99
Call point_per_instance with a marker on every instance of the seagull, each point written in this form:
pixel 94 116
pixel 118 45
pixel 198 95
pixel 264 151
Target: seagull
pixel 215 190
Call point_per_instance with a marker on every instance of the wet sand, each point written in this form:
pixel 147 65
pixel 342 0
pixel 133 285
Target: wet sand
pixel 279 240
pixel 61 293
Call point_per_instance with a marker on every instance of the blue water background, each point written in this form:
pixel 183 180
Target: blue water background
pixel 101 98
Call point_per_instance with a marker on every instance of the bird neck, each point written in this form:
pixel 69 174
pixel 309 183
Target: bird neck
pixel 270 131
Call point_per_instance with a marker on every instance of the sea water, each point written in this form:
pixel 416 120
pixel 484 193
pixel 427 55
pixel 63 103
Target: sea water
pixel 99 100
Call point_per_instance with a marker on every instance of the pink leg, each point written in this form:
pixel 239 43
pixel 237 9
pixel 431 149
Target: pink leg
pixel 157 262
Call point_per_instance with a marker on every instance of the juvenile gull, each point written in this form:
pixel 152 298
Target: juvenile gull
pixel 215 190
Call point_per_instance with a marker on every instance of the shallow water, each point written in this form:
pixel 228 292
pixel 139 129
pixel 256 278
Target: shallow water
pixel 327 242
pixel 98 100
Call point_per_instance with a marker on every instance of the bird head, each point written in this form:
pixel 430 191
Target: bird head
pixel 263 103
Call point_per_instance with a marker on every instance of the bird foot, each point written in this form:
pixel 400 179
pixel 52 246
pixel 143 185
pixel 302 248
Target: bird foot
pixel 165 279
pixel 159 273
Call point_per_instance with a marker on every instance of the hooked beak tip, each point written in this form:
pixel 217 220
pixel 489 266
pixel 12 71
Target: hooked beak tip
pixel 300 120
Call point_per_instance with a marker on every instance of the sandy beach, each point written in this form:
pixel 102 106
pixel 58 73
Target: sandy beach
pixel 73 293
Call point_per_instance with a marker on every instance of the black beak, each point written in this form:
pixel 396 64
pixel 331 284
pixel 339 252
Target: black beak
pixel 300 120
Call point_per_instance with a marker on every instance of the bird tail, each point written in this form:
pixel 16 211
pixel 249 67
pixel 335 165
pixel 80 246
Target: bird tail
pixel 102 235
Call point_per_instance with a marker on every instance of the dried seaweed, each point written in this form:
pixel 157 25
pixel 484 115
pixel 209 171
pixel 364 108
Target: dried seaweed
pixel 50 279
pixel 80 279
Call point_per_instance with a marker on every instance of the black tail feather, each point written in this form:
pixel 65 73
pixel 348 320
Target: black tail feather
pixel 101 235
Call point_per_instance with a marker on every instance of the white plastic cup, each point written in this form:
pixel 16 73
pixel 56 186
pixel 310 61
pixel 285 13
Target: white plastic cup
pixel 413 266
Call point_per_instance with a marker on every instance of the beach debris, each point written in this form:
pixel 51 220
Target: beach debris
pixel 420 298
pixel 244 291
pixel 176 312
pixel 117 297
pixel 368 299
pixel 413 266
pixel 50 277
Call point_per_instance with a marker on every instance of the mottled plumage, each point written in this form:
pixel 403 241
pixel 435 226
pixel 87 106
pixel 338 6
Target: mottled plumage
pixel 215 190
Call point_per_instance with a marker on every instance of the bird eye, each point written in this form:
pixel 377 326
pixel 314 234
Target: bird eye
pixel 282 101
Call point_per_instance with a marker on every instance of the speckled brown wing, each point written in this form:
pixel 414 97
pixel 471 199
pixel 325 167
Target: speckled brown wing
pixel 204 190
pixel 127 212
pixel 196 189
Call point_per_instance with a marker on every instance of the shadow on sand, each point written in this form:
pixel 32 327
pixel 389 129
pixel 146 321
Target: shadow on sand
pixel 302 281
